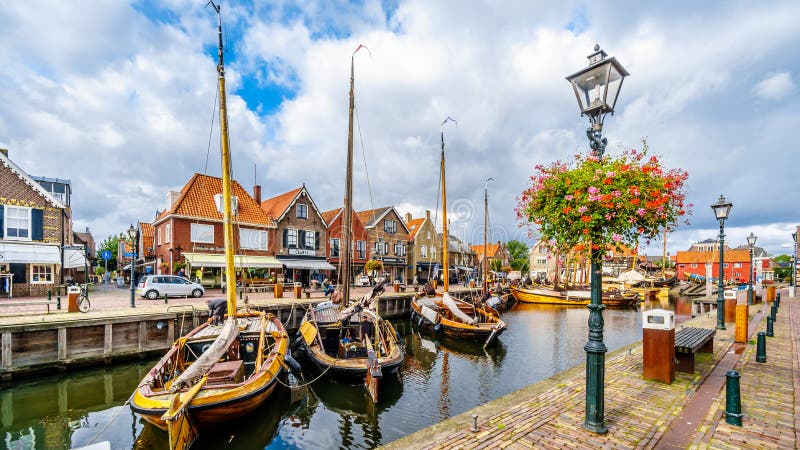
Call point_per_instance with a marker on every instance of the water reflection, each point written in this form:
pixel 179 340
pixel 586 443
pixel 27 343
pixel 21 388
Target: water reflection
pixel 439 378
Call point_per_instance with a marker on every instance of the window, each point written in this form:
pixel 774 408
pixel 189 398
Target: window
pixel 167 233
pixel 378 248
pixel 252 239
pixel 361 249
pixel 221 207
pixel 694 265
pixel 18 222
pixel 334 248
pixel 541 261
pixel 310 240
pixel 302 211
pixel 385 248
pixel 737 265
pixel 202 233
pixel 41 274
pixel 428 235
pixel 158 236
pixel 390 226
pixel 423 251
pixel 725 265
pixel 683 265
pixel 291 239
pixel 433 252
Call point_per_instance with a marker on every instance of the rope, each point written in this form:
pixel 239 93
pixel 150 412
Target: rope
pixel 366 170
pixel 211 129
pixel 112 420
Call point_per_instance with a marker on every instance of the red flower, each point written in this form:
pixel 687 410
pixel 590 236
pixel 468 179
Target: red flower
pixel 586 219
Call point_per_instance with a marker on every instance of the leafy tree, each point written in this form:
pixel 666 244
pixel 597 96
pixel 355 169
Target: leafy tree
pixel 521 264
pixel 519 255
pixel 111 243
pixel 783 272
pixel 495 265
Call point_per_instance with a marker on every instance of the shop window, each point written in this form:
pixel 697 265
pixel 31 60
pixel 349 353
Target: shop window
pixel 252 239
pixel 41 274
pixel 200 233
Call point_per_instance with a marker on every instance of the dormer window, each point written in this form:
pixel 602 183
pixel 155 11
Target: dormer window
pixel 221 208
pixel 302 211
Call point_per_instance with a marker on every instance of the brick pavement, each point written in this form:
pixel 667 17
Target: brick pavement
pixel 549 414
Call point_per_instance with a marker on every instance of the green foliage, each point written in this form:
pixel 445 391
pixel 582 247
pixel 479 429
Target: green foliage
pixel 783 273
pixel 521 264
pixel 111 243
pixel 519 255
pixel 601 201
pixel 495 265
pixel 177 266
pixel 99 270
pixel 373 266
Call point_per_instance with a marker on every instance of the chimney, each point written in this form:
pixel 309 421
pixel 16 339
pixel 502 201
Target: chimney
pixel 4 151
pixel 408 217
pixel 257 193
pixel 428 214
pixel 87 230
pixel 172 197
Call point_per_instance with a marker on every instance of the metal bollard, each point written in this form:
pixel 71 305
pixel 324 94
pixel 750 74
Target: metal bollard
pixel 778 299
pixel 774 312
pixel 58 298
pixel 474 423
pixel 166 299
pixel 733 401
pixel 770 333
pixel 761 347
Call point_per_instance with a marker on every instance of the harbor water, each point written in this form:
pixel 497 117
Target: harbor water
pixel 438 379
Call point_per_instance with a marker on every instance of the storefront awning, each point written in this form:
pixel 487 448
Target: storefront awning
pixel 29 253
pixel 313 264
pixel 239 261
pixel 74 258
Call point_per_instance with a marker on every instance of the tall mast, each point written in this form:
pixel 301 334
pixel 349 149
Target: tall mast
pixel 227 217
pixel 485 234
pixel 445 236
pixel 664 257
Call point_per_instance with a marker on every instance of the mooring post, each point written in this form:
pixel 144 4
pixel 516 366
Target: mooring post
pixel 474 423
pixel 774 312
pixel 733 401
pixel 761 347
pixel 778 299
pixel 770 322
pixel 166 299
pixel 58 298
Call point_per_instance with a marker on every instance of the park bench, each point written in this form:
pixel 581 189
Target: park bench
pixel 689 341
pixel 31 302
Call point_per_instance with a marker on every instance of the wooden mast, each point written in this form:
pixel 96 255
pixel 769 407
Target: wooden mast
pixel 227 191
pixel 445 236
pixel 664 257
pixel 485 234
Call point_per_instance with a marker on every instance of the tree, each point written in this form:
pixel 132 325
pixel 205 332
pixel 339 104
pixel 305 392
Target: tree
pixel 782 273
pixel 111 243
pixel 519 255
pixel 495 265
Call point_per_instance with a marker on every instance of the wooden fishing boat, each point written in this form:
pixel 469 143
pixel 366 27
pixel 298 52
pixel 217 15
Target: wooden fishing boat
pixel 551 296
pixel 216 373
pixel 351 350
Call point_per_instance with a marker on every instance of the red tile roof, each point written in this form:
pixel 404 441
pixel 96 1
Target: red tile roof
pixel 276 206
pixel 197 200
pixel 328 216
pixel 414 225
pixel 687 257
pixel 148 230
pixel 490 248
pixel 370 215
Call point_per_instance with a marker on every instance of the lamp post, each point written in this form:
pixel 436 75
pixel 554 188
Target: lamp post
pixel 793 280
pixel 721 210
pixel 596 89
pixel 133 233
pixel 751 242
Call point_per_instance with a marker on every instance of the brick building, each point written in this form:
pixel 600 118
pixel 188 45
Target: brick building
pixel 300 235
pixel 34 224
pixel 423 249
pixel 387 237
pixel 333 245
pixel 189 231
pixel 736 265
pixel 497 251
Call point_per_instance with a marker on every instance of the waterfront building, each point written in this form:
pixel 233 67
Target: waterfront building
pixel 706 263
pixel 461 257
pixel 423 248
pixel 35 222
pixel 542 261
pixel 189 232
pixel 496 252
pixel 300 236
pixel 360 251
pixel 146 251
pixel 387 237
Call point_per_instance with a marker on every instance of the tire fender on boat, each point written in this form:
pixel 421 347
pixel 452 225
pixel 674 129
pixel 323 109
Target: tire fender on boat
pixel 297 342
pixel 292 363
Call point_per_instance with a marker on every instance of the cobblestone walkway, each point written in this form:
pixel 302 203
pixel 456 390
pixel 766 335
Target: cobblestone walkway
pixel 549 414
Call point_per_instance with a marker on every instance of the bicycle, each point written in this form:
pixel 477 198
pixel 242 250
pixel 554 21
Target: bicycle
pixel 83 300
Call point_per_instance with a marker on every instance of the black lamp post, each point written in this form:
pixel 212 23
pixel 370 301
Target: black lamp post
pixel 597 89
pixel 133 233
pixel 793 280
pixel 751 242
pixel 721 211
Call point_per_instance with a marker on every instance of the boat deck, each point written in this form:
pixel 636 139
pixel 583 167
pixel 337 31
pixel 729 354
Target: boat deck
pixel 249 325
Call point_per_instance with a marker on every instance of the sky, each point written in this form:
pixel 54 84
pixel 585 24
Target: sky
pixel 120 98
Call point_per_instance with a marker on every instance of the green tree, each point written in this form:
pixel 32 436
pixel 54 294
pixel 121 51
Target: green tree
pixel 519 255
pixel 111 243
pixel 782 273
pixel 495 265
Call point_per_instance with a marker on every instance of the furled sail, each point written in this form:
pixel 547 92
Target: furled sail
pixel 195 372
pixel 453 307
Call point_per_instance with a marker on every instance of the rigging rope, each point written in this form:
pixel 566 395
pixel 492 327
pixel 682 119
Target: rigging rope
pixel 211 129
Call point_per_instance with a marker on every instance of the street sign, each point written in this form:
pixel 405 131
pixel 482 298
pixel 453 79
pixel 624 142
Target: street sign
pixel 105 254
pixel 127 254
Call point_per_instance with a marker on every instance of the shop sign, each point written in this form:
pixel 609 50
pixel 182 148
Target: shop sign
pixel 302 252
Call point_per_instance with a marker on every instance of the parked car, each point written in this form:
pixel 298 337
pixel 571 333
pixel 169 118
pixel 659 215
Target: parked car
pixel 155 286
pixel 362 280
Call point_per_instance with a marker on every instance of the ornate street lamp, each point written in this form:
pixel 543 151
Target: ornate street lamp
pixel 793 280
pixel 133 234
pixel 597 89
pixel 721 211
pixel 751 242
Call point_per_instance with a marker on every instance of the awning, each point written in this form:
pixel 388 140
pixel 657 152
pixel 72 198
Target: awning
pixel 29 253
pixel 239 261
pixel 74 258
pixel 314 264
pixel 465 268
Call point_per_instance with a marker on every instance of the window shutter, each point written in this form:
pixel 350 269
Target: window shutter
pixel 37 224
pixel 316 241
pixel 301 239
pixel 2 228
pixel 285 238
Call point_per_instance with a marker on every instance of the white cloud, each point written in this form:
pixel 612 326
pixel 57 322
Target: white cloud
pixel 775 86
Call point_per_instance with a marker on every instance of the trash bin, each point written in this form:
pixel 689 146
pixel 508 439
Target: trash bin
pixel 278 291
pixel 73 292
pixel 770 293
pixel 298 290
pixel 396 285
pixel 658 345
pixel 730 307
pixel 740 333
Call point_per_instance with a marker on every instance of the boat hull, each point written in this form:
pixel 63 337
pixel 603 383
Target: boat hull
pixel 552 297
pixel 459 330
pixel 351 370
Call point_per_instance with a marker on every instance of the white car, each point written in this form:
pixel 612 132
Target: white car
pixel 362 280
pixel 155 286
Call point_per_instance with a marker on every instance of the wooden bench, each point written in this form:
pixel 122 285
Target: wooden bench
pixel 32 302
pixel 689 341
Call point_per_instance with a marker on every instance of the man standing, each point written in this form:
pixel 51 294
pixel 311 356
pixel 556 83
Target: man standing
pixel 182 273
pixel 199 275
pixel 217 309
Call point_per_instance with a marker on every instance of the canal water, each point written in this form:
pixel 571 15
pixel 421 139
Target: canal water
pixel 438 379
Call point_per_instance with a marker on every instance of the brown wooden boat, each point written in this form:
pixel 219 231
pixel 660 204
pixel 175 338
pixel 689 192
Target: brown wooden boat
pixel 552 296
pixel 458 319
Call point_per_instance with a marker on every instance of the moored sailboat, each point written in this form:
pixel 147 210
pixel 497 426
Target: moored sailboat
pixel 217 372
